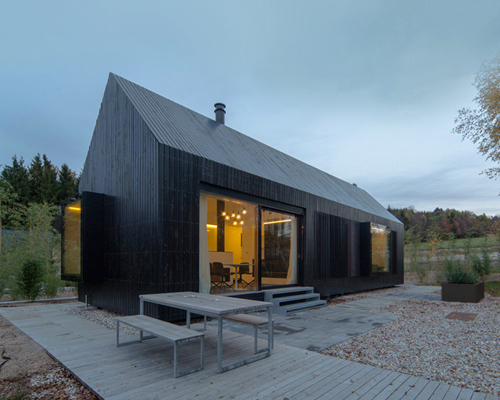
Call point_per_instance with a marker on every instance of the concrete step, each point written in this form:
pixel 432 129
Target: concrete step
pixel 282 301
pixel 303 306
pixel 293 298
pixel 284 291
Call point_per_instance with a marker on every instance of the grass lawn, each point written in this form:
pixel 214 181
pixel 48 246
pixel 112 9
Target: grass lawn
pixel 493 288
pixel 487 241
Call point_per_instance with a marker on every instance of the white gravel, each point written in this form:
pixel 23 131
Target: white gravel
pixel 56 376
pixel 102 317
pixel 347 298
pixel 425 344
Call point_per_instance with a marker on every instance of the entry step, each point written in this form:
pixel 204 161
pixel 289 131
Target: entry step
pixel 297 298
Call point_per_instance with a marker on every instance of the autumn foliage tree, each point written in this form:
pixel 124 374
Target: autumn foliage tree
pixel 445 224
pixel 482 125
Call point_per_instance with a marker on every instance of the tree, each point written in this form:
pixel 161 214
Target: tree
pixel 43 180
pixel 18 177
pixel 49 181
pixel 7 200
pixel 30 279
pixel 482 125
pixel 68 183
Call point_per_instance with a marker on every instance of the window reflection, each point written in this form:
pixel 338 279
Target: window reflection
pixel 381 245
pixel 71 242
pixel 279 248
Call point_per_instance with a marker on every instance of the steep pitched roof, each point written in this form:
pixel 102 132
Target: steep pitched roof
pixel 186 130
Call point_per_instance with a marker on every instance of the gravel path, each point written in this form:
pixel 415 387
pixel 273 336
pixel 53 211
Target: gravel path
pixel 424 343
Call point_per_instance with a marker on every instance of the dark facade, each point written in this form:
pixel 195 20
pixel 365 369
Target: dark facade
pixel 148 161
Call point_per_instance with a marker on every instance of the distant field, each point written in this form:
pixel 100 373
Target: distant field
pixel 426 265
pixel 488 241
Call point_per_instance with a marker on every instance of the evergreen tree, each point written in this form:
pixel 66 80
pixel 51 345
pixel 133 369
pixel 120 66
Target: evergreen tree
pixel 49 182
pixel 67 183
pixel 43 180
pixel 18 177
pixel 36 179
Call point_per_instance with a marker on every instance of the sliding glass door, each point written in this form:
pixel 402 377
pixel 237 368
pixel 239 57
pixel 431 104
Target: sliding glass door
pixel 244 246
pixel 278 248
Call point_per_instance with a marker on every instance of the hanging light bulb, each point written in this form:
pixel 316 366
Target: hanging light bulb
pixel 227 216
pixel 235 223
pixel 224 213
pixel 233 214
pixel 241 222
pixel 238 216
pixel 244 211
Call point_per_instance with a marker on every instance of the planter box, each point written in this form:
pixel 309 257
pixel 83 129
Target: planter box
pixel 462 292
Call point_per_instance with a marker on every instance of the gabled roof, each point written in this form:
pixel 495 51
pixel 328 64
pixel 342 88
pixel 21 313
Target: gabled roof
pixel 186 130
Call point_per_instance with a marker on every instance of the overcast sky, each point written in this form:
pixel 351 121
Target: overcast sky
pixel 364 90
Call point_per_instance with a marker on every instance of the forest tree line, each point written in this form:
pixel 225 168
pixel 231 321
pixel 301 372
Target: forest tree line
pixel 447 224
pixel 39 182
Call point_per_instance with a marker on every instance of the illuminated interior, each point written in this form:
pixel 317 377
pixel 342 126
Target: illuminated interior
pixel 71 268
pixel 381 246
pixel 232 238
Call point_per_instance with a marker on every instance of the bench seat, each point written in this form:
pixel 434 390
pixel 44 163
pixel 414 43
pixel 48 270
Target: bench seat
pixel 164 330
pixel 256 322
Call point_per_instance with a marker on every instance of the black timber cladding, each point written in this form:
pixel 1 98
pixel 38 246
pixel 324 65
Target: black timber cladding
pixel 151 223
pixel 181 128
pixel 122 164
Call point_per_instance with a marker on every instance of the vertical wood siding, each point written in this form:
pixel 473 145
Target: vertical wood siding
pixel 151 223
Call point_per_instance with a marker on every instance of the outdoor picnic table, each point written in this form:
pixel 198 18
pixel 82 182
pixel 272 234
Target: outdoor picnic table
pixel 218 307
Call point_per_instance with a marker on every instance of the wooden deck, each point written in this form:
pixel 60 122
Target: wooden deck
pixel 145 370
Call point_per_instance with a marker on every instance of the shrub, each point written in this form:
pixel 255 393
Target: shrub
pixel 456 273
pixel 29 280
pixel 486 259
pixel 51 285
pixel 481 265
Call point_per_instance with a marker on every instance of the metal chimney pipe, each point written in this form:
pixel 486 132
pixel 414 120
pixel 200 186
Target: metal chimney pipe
pixel 220 112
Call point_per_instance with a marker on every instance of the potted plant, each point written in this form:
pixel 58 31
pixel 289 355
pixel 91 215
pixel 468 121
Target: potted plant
pixel 461 284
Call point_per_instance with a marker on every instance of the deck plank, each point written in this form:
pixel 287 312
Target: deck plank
pixel 355 385
pixel 145 370
pixel 440 391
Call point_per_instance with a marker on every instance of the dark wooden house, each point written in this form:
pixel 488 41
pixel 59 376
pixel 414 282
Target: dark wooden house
pixel 167 195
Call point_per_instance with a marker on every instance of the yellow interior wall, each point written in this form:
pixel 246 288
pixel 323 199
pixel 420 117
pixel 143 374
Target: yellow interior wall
pixel 232 240
pixel 72 238
pixel 379 250
pixel 212 238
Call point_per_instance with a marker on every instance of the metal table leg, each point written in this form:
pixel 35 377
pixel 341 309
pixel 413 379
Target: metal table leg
pixel 219 344
pixel 270 330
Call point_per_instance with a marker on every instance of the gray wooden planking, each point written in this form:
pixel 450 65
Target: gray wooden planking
pixel 375 390
pixel 144 370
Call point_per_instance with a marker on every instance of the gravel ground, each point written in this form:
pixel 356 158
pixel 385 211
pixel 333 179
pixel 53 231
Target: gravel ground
pixel 424 343
pixel 28 372
pixel 101 317
pixel 347 298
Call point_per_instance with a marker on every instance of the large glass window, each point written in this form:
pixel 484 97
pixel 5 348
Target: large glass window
pixel 70 265
pixel 230 257
pixel 279 248
pixel 231 244
pixel 381 248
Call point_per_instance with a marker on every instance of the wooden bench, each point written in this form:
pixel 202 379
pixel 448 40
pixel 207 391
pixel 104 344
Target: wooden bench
pixel 164 330
pixel 256 322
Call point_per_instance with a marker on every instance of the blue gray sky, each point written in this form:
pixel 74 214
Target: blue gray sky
pixel 364 90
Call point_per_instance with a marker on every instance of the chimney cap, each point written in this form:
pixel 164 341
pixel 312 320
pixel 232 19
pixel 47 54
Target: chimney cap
pixel 220 106
pixel 219 112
